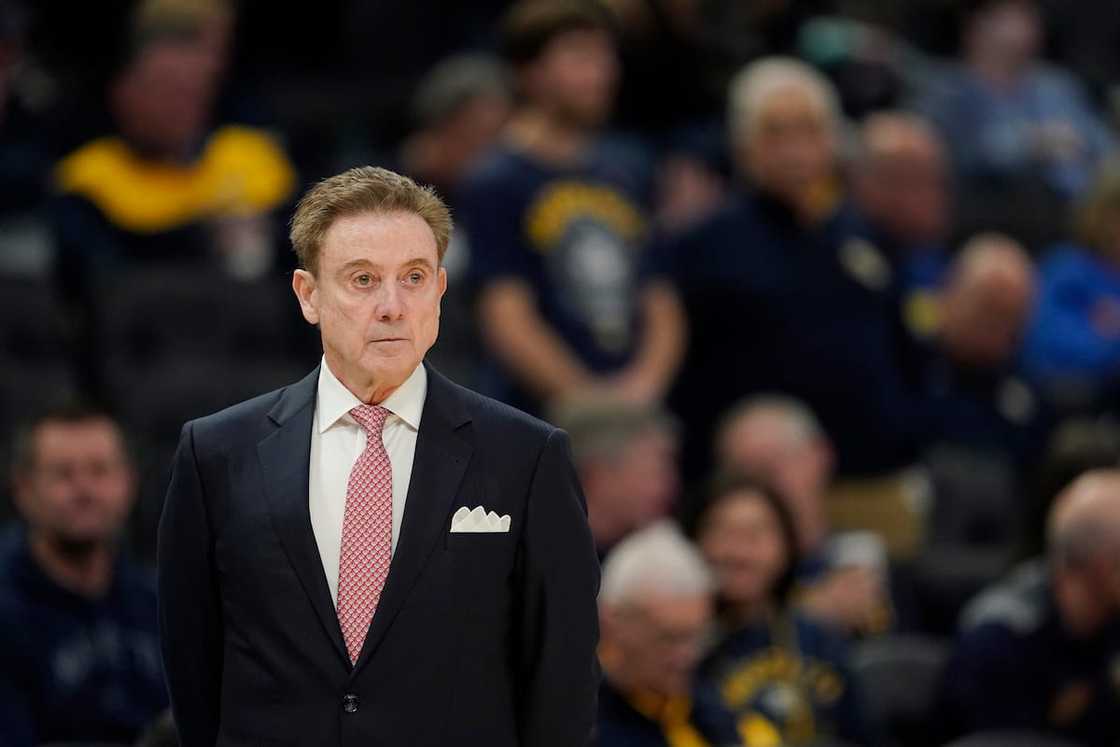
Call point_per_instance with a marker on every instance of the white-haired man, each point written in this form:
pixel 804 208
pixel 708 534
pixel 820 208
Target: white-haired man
pixel 783 290
pixel 655 607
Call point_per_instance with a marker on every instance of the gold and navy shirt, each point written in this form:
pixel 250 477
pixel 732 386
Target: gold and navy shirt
pixel 115 203
pixel 646 719
pixel 240 170
pixel 788 684
pixel 578 236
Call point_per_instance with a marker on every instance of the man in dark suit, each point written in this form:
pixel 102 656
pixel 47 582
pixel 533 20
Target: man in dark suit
pixel 374 555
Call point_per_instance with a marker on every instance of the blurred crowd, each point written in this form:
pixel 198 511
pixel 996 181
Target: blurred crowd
pixel 826 292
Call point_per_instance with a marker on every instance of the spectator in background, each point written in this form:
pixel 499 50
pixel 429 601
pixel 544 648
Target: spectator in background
pixel 777 439
pixel 902 184
pixel 655 606
pixel 784 293
pixel 1039 651
pixel 79 649
pixel 569 301
pixel 459 108
pixel 1008 116
pixel 975 398
pixel 784 677
pixel 170 183
pixel 626 457
pixel 1073 348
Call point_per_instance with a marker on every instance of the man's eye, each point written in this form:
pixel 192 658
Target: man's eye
pixel 363 280
pixel 415 277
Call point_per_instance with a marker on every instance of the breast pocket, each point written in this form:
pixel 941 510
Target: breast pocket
pixel 478 541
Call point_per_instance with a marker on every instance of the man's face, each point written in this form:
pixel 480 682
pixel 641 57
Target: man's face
pixel 1088 595
pixel 983 323
pixel 163 100
pixel 376 296
pixel 1010 30
pixel 907 193
pixel 575 77
pixel 743 542
pixel 642 482
pixel 470 131
pixel 790 147
pixel 79 486
pixel 659 639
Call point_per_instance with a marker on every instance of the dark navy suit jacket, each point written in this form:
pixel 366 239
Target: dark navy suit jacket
pixel 478 639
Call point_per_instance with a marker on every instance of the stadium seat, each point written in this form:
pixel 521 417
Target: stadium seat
pixel 899 675
pixel 975 498
pixel 946 577
pixel 149 312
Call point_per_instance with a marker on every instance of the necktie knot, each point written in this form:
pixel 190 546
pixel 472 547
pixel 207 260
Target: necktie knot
pixel 371 418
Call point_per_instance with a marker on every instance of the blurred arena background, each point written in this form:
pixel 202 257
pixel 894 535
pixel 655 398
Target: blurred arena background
pixel 827 293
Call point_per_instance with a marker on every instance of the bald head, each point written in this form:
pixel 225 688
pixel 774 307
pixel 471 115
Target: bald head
pixel 901 177
pixel 1085 520
pixel 1083 538
pixel 987 301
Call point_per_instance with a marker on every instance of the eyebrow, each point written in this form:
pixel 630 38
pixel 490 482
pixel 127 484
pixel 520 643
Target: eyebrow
pixel 355 263
pixel 419 262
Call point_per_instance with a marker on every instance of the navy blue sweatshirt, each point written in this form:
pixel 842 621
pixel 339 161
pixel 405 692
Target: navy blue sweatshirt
pixel 811 312
pixel 74 668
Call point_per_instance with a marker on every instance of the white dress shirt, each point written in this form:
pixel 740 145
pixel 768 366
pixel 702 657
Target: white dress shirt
pixel 336 443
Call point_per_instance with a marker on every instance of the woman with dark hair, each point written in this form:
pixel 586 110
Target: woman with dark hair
pixel 784 676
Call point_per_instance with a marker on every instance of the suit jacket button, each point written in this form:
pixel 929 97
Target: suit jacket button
pixel 350 703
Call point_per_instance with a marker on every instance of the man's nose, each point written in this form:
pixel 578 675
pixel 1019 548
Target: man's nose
pixel 389 304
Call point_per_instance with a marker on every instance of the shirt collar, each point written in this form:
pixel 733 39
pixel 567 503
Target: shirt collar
pixel 335 401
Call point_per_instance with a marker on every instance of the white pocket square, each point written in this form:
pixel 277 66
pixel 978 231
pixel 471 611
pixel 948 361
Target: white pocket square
pixel 478 520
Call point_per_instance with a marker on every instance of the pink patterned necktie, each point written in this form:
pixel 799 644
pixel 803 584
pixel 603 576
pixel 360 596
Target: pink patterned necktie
pixel 367 532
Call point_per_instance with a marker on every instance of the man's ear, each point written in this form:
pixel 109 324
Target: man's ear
pixel 307 293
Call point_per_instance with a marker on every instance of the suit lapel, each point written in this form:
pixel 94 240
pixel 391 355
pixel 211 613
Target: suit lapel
pixel 443 450
pixel 285 457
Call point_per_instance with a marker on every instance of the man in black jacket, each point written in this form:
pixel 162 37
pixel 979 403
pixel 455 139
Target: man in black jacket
pixel 375 555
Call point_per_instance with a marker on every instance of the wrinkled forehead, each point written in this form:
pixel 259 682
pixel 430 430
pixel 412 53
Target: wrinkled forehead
pixel 381 239
pixel 784 100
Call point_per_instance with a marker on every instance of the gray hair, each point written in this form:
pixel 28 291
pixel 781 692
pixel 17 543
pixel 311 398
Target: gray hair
pixel 802 423
pixel 602 429
pixel 757 82
pixel 455 82
pixel 658 559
